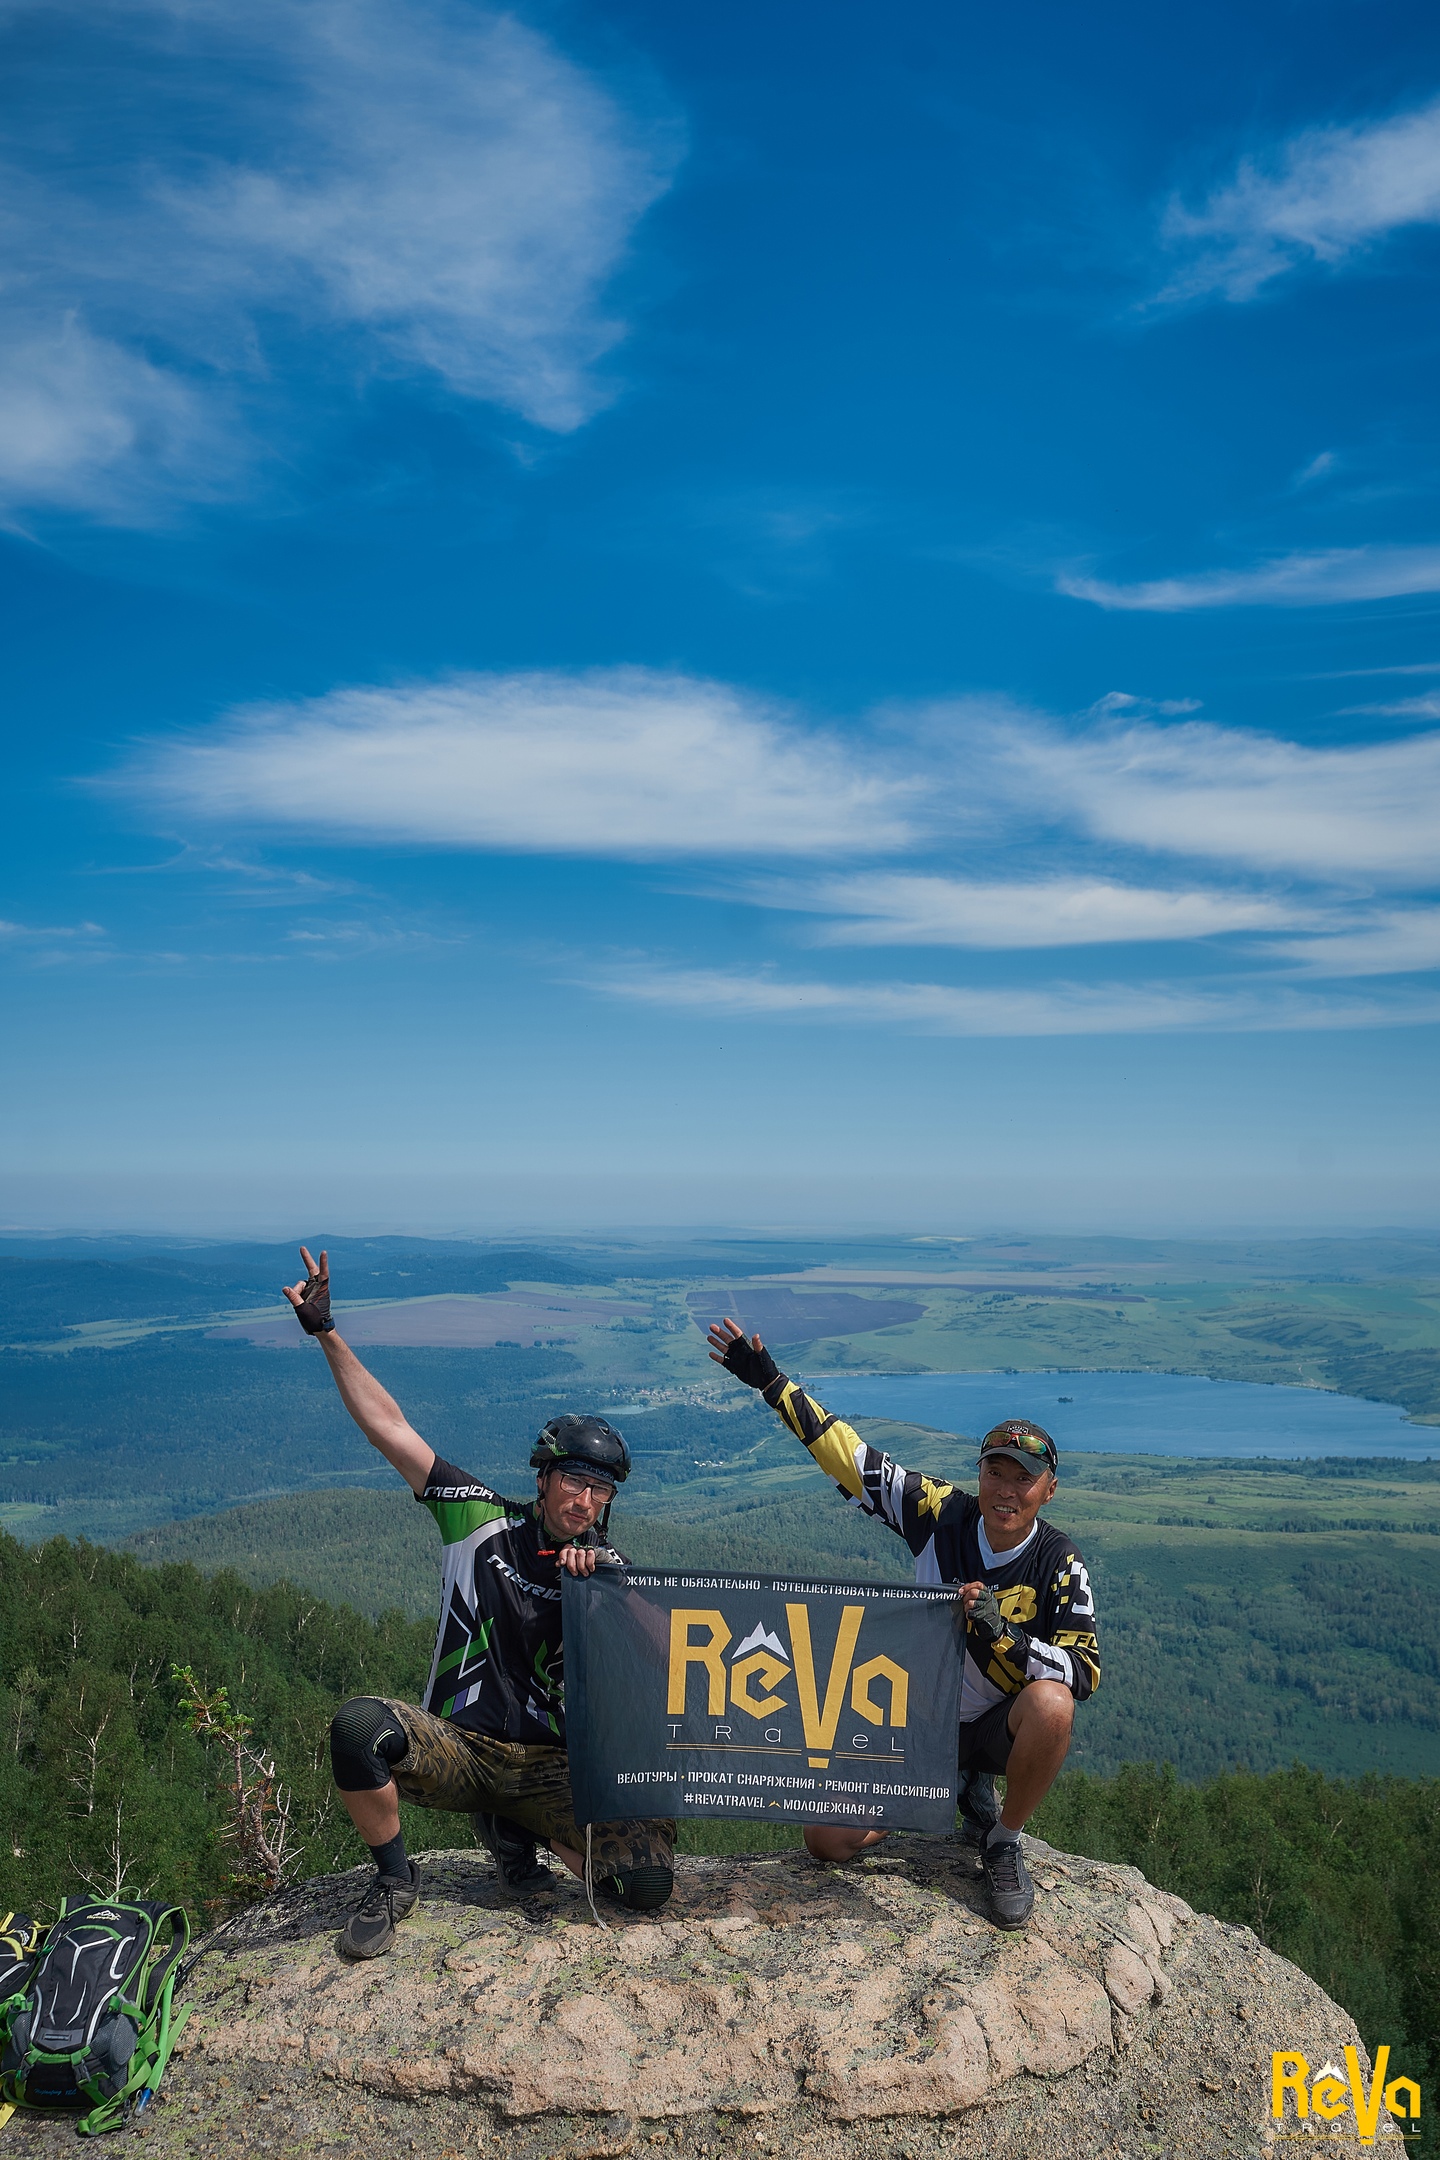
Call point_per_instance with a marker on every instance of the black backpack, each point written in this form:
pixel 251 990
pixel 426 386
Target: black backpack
pixel 92 2031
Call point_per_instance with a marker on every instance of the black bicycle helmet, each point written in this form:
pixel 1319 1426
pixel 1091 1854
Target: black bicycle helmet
pixel 580 1442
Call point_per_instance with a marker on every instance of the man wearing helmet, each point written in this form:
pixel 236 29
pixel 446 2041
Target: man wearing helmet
pixel 489 1739
pixel 1031 1651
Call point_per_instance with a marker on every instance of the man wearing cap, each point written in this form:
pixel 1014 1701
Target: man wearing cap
pixel 489 1739
pixel 1031 1651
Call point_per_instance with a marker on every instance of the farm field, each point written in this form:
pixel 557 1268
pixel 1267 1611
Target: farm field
pixel 1353 1313
pixel 483 1322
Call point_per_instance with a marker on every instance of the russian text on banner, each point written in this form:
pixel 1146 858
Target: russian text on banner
pixel 762 1700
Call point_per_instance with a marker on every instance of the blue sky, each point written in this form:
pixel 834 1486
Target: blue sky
pixel 773 615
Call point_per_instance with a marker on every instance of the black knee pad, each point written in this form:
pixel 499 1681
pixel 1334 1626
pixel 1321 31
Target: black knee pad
pixel 642 1889
pixel 366 1737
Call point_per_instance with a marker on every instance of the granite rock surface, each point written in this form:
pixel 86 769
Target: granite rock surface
pixel 775 2006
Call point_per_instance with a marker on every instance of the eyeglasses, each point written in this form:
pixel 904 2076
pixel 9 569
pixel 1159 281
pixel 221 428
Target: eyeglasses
pixel 573 1484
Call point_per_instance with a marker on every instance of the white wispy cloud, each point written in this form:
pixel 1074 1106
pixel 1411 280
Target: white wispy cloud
pixel 1414 708
pixel 1351 674
pixel 1399 942
pixel 1230 796
pixel 1326 578
pixel 52 945
pixel 631 763
pixel 87 425
pixel 1318 468
pixel 1123 704
pixel 16 933
pixel 362 936
pixel 1051 1009
pixel 973 825
pixel 900 908
pixel 619 762
pixel 392 187
pixel 1320 197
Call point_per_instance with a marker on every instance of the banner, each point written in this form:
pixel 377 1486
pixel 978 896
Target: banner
pixel 762 1700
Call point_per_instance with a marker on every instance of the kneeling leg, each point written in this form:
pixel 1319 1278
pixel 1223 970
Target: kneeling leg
pixel 1040 1723
pixel 366 1738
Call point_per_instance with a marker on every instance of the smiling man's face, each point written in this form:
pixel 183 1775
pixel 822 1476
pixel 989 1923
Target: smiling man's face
pixel 1010 1499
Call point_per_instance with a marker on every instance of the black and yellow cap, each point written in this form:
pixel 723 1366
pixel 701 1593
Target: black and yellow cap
pixel 1029 1445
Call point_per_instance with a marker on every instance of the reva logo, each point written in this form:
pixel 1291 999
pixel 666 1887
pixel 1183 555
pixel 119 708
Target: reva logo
pixel 754 1678
pixel 1331 2094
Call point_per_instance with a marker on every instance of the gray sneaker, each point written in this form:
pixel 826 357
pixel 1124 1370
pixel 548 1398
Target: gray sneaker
pixel 1007 1879
pixel 515 1851
pixel 979 1812
pixel 370 1930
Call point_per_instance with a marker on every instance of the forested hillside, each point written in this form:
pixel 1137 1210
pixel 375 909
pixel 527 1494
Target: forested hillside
pixel 100 1779
pixel 102 1784
pixel 97 1443
pixel 312 1538
pixel 175 1424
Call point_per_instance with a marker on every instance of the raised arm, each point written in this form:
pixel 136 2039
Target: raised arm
pixel 906 1501
pixel 377 1413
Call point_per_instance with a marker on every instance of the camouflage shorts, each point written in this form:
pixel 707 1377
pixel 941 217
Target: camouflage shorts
pixel 467 1773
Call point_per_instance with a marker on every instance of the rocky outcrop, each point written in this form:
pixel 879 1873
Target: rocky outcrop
pixel 775 2006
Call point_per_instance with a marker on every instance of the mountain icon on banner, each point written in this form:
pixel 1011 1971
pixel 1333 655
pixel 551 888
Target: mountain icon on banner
pixel 760 1638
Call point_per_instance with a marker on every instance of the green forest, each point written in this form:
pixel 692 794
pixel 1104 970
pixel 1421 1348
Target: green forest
pixel 103 1785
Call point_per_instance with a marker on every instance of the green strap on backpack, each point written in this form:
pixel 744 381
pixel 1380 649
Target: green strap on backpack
pixel 91 2028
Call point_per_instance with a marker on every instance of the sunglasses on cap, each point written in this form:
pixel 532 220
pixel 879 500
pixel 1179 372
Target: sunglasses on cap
pixel 1029 1445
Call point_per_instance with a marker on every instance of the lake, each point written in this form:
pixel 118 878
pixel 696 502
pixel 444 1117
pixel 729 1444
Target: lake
pixel 1125 1413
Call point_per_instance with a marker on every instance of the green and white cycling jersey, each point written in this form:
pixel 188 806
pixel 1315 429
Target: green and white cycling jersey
pixel 498 1665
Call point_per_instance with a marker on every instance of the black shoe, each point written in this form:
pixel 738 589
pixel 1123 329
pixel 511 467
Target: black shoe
pixel 370 1930
pixel 515 1853
pixel 1008 1881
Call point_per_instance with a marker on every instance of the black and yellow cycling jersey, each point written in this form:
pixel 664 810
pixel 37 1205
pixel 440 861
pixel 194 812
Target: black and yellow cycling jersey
pixel 1042 1586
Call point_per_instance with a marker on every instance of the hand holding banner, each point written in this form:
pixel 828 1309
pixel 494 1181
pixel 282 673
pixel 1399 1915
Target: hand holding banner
pixel 762 1700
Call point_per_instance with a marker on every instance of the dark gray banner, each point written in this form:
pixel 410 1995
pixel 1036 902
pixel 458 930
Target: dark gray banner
pixel 762 1700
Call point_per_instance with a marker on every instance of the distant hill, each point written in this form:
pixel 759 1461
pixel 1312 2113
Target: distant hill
pixel 45 1293
pixel 44 1301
